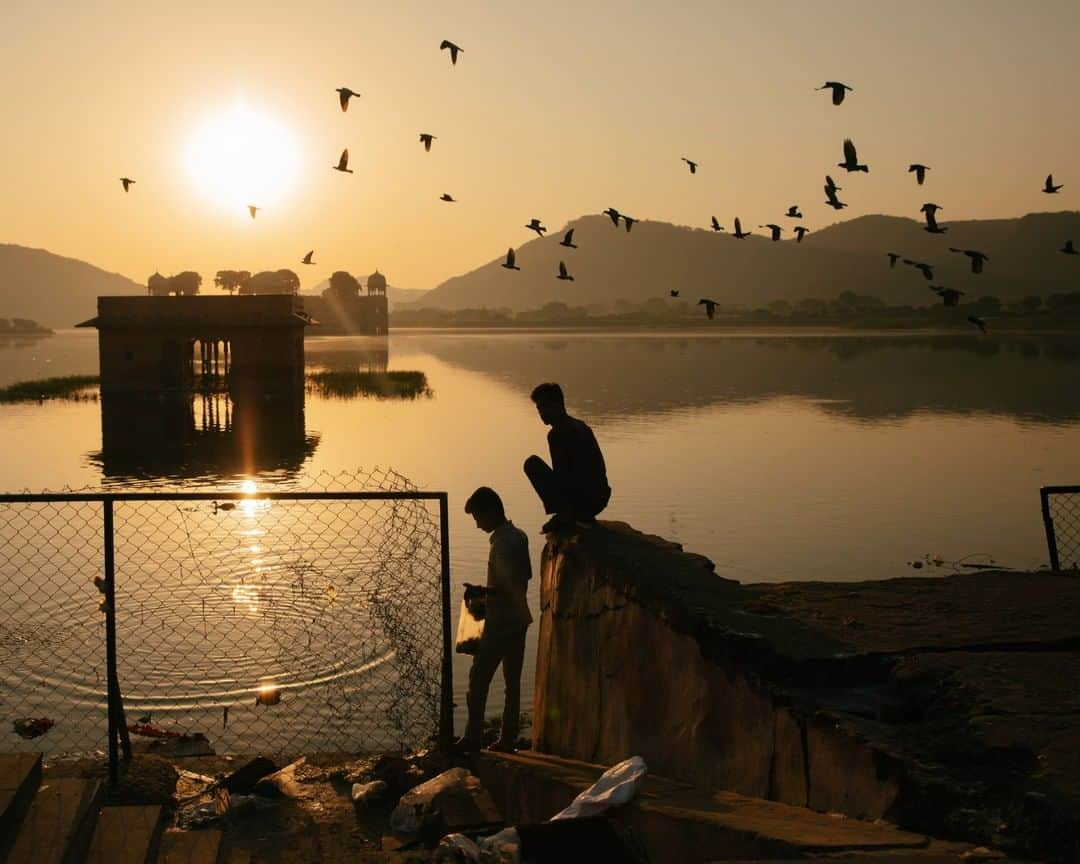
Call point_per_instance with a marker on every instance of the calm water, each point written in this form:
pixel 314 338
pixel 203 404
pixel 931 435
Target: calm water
pixel 780 457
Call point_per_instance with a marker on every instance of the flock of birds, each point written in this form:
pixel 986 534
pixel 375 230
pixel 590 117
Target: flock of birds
pixel 851 164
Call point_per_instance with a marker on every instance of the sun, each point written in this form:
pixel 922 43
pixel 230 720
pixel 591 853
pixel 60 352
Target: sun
pixel 240 155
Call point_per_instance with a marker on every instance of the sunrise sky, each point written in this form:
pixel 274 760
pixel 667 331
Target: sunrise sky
pixel 554 110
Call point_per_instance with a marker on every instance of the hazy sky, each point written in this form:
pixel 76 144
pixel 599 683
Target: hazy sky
pixel 553 110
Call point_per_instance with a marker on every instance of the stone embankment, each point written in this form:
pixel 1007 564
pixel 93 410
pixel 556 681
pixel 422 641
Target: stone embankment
pixel 947 706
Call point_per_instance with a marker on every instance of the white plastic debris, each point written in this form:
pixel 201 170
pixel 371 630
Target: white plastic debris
pixel 617 785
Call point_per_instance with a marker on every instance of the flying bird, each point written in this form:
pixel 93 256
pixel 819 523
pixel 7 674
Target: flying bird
pixel 1068 248
pixel 454 49
pixel 978 322
pixel 832 200
pixel 800 232
pixel 426 138
pixel 930 209
pixel 446 196
pixel 127 181
pixel 566 277
pixel 920 171
pixel 950 296
pixel 739 233
pixel 307 258
pixel 614 215
pixel 892 259
pixel 931 224
pixel 628 221
pixel 1050 188
pixel 343 162
pixel 535 225
pixel 692 165
pixel 977 258
pixel 774 229
pixel 838 90
pixel 568 240
pixel 851 158
pixel 927 270
pixel 831 184
pixel 674 292
pixel 509 263
pixel 710 306
pixel 793 212
pixel 344 95
pixel 251 209
pixel 716 226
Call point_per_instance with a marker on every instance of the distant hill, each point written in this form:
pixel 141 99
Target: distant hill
pixel 611 264
pixel 53 290
pixel 395 296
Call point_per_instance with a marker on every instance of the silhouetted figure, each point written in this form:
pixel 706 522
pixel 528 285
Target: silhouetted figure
pixel 454 49
pixel 674 292
pixel 307 258
pixel 446 196
pixel 793 212
pixel 739 233
pixel 509 263
pixel 716 226
pixel 920 171
pixel 566 277
pixel 977 258
pixel 831 184
pixel 800 232
pixel 927 270
pixel 931 224
pixel 426 139
pixel 978 322
pixel 574 488
pixel 127 181
pixel 614 215
pixel 949 296
pixel 892 259
pixel 1050 188
pixel 691 165
pixel 1068 248
pixel 831 199
pixel 568 240
pixel 252 209
pixel 710 307
pixel 506 621
pixel 628 221
pixel 343 162
pixel 851 158
pixel 534 225
pixel 774 230
pixel 344 95
pixel 838 90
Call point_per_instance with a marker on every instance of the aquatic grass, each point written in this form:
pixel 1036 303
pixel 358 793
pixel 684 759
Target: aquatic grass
pixel 74 388
pixel 346 384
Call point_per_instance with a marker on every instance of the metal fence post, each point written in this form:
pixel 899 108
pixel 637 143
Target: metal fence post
pixel 1048 523
pixel 111 677
pixel 446 706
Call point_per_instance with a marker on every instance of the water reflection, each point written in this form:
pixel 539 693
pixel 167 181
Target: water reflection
pixel 202 435
pixel 356 353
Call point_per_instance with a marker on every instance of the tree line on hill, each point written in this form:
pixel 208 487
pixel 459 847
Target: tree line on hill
pixel 19 326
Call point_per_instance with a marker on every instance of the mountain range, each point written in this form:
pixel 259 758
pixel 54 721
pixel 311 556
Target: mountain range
pixel 611 264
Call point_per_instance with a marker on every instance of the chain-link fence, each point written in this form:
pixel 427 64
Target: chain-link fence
pixel 1061 516
pixel 277 621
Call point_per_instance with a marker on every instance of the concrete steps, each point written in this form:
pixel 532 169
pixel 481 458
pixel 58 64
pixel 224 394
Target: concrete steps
pixel 190 847
pixel 58 823
pixel 126 835
pixel 20 776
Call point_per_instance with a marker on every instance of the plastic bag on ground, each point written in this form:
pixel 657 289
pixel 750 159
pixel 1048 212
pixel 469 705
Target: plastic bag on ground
pixel 617 785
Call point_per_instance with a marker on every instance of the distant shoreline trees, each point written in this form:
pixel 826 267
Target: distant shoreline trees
pixel 186 283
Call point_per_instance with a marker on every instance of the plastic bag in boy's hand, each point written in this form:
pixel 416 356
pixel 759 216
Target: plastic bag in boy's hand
pixel 476 600
pixel 471 623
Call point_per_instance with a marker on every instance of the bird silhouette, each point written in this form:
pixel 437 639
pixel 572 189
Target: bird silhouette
pixel 927 270
pixel 568 240
pixel 127 181
pixel 446 196
pixel 710 306
pixel 978 322
pixel 930 209
pixel 535 225
pixel 739 233
pixel 851 158
pixel 674 292
pixel 950 296
pixel 831 184
pixel 832 200
pixel 774 229
pixel 977 258
pixel 920 172
pixel 892 259
pixel 614 215
pixel 426 138
pixel 344 95
pixel 509 263
pixel 251 209
pixel 838 90
pixel 628 221
pixel 931 224
pixel 454 49
pixel 307 258
pixel 692 165
pixel 1068 248
pixel 1050 188
pixel 343 162
pixel 716 226
pixel 800 232
pixel 793 212
pixel 566 277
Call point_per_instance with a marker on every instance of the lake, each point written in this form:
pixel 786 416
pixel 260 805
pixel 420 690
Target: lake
pixel 779 455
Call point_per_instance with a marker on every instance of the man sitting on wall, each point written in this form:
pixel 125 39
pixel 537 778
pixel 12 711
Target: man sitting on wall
pixel 574 487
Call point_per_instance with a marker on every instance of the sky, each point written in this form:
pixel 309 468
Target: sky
pixel 554 110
